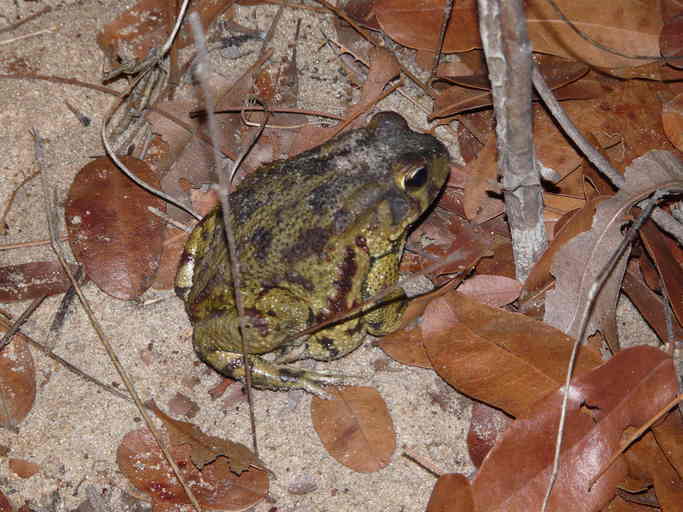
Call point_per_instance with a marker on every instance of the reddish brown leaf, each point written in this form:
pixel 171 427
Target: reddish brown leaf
pixel 405 346
pixel 32 280
pixel 672 119
pixel 181 405
pixel 671 39
pixel 480 205
pixel 646 460
pixel 661 249
pixel 444 236
pixel 145 26
pixel 355 427
pixel 480 350
pixel 111 231
pixel 23 468
pixel 625 26
pixel 669 435
pixel 173 246
pixel 17 380
pixel 493 291
pixel 5 505
pixel 486 425
pixel 215 486
pixel 451 493
pixel 625 391
pixel 619 504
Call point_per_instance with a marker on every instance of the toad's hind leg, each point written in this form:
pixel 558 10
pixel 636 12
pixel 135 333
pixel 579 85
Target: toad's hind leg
pixel 272 376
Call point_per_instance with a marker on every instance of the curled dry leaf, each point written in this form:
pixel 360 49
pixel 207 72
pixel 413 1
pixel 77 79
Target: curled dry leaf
pixel 504 359
pixel 452 493
pixel 32 280
pixel 671 37
pixel 625 391
pixel 206 449
pixel 405 346
pixel 215 486
pixel 579 262
pixel 355 427
pixel 173 246
pixel 111 231
pixel 17 380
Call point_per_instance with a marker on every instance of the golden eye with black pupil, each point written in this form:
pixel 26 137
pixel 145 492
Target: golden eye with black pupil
pixel 415 179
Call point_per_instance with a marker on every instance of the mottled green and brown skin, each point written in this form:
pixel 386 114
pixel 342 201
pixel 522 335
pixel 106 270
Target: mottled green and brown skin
pixel 317 234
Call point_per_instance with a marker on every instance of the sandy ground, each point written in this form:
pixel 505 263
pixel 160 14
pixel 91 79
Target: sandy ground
pixel 74 428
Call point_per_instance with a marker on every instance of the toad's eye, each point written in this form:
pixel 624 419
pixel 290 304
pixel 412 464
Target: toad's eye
pixel 415 179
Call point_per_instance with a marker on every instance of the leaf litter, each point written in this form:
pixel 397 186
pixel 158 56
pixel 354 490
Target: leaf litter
pixel 637 136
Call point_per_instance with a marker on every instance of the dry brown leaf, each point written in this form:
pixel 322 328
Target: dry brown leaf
pixel 145 26
pixel 206 449
pixel 111 231
pixel 17 380
pixel 23 468
pixel 625 391
pixel 33 280
pixel 672 119
pixel 452 493
pixel 486 425
pixel 355 427
pixel 215 486
pixel 663 250
pixel 443 236
pixel 480 351
pixel 671 37
pixel 578 263
pixel 173 246
pixel 669 435
pixel 480 203
pixel 5 505
pixel 405 346
pixel 626 26
pixel 540 278
pixel 646 461
pixel 649 305
pixel 495 291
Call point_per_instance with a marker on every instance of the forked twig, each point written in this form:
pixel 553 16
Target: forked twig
pixel 56 247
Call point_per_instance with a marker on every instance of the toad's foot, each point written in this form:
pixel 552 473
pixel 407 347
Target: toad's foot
pixel 278 377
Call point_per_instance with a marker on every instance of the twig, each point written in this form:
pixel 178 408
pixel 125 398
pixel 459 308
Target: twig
pixel 56 247
pixel 26 36
pixel 200 71
pixel 12 196
pixel 581 335
pixel 20 321
pixel 19 23
pixel 34 243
